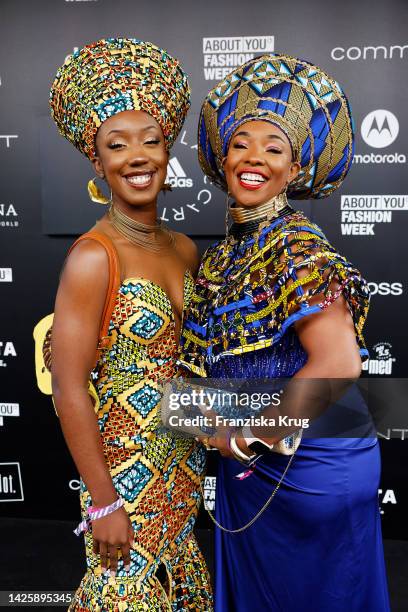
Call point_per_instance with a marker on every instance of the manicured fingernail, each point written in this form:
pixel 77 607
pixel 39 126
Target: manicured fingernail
pixel 127 568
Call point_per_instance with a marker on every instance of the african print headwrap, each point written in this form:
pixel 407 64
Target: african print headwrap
pixel 300 98
pixel 114 75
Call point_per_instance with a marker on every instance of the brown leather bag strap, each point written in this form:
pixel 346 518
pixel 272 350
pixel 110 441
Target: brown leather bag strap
pixel 113 285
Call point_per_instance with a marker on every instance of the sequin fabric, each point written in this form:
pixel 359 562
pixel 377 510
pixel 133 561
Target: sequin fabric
pixel 156 472
pixel 114 75
pixel 250 291
pixel 306 103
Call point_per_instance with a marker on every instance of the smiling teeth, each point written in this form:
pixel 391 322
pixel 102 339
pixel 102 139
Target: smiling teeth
pixel 251 177
pixel 139 179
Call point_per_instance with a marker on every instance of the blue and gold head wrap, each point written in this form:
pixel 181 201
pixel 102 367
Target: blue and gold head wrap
pixel 114 75
pixel 302 100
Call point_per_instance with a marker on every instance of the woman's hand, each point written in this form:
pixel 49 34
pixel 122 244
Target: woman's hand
pixel 111 534
pixel 221 443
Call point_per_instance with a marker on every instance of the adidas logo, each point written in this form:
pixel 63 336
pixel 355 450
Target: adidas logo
pixel 176 175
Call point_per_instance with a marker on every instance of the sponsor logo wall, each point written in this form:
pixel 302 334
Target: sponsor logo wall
pixel 8 410
pixel 8 215
pixel 6 275
pixel 370 53
pixel 7 352
pixel 7 139
pixel 223 54
pixel 360 214
pixel 381 360
pixel 11 486
pixel 379 130
pixel 44 203
pixel 386 288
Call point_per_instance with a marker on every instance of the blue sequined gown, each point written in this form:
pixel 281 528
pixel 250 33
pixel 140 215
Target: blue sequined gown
pixel 318 546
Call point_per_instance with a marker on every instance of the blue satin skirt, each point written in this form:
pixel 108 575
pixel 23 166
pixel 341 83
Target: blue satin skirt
pixel 317 547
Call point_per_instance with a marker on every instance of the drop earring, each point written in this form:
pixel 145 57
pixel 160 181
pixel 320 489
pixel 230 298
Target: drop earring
pixel 227 215
pixel 96 194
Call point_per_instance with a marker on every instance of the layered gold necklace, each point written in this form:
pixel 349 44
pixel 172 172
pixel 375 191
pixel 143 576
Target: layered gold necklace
pixel 266 211
pixel 154 238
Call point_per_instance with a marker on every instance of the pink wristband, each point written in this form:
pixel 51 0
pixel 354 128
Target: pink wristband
pixel 95 513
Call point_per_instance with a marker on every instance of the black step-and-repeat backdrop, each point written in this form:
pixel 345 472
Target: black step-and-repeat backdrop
pixel 44 203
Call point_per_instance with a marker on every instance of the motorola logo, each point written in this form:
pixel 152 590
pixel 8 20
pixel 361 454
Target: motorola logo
pixel 379 129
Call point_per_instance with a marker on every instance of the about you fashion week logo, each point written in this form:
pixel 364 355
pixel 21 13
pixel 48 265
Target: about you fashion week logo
pixel 8 409
pixel 221 54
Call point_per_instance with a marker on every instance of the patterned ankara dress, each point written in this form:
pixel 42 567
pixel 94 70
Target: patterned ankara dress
pixel 318 546
pixel 156 473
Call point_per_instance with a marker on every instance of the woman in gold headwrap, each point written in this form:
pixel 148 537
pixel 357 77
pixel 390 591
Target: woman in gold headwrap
pixel 122 102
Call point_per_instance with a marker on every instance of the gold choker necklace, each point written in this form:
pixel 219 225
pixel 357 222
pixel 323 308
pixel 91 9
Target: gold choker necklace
pixel 268 210
pixel 151 237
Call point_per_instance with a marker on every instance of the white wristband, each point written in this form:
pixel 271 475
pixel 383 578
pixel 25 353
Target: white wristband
pixel 240 455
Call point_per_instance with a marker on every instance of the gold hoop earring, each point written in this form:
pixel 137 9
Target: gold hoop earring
pixel 285 188
pixel 227 216
pixel 96 194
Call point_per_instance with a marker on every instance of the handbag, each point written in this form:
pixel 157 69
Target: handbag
pixel 192 419
pixel 191 422
pixel 43 330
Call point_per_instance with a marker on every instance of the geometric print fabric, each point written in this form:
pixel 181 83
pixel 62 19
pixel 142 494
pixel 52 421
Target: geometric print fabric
pixel 306 103
pixel 156 472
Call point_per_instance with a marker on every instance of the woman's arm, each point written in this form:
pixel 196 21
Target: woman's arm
pixel 78 311
pixel 333 362
pixel 329 339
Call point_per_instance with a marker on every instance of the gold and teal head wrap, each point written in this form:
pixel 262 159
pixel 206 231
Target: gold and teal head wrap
pixel 307 104
pixel 114 75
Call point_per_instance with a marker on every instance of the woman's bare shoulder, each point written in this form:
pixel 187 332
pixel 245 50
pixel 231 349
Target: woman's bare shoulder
pixel 87 264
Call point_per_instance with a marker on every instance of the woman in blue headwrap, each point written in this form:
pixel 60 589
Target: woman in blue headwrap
pixel 274 299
